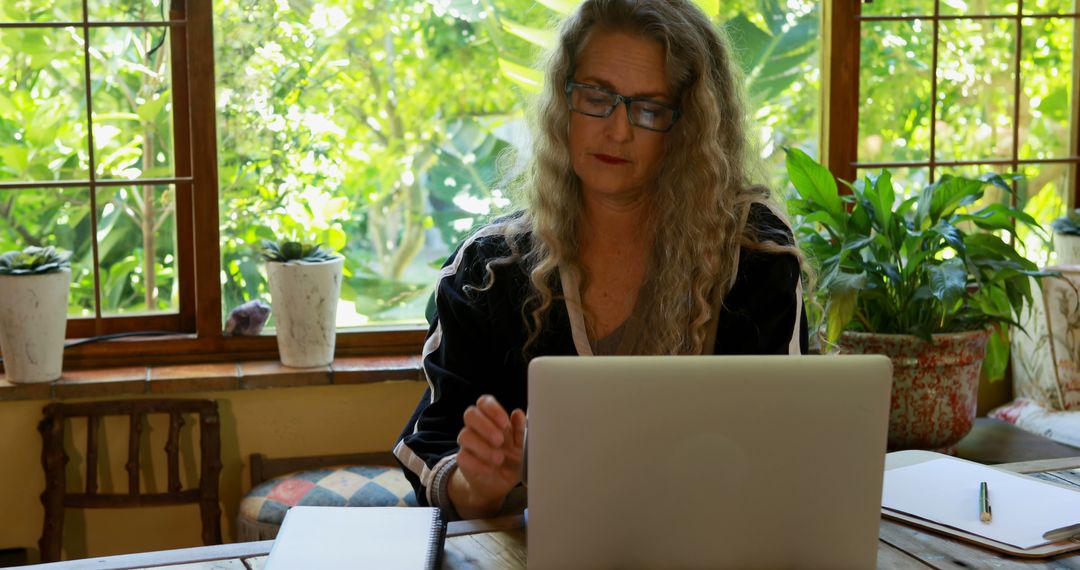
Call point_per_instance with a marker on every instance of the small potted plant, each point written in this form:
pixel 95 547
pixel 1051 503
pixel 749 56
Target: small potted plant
pixel 1067 238
pixel 34 286
pixel 926 279
pixel 305 284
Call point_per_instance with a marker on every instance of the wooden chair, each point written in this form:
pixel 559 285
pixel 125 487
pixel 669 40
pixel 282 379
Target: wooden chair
pixel 54 459
pixel 355 480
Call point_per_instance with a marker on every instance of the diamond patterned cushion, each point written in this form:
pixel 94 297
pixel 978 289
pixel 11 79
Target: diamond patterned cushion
pixel 345 486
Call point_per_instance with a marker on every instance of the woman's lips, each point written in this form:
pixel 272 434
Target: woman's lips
pixel 608 159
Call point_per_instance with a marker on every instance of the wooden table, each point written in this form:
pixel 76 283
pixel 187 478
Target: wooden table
pixel 500 544
pixel 992 441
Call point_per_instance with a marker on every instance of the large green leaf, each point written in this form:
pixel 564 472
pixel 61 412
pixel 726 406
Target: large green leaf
pixel 843 295
pixel 748 42
pixel 543 38
pixel 772 60
pixel 943 197
pixel 528 78
pixel 996 360
pixel 148 111
pixel 710 7
pixel 563 7
pixel 814 183
pixel 948 281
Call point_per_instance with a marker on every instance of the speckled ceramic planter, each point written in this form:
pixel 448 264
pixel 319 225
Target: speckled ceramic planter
pixel 33 320
pixel 1067 248
pixel 935 386
pixel 304 299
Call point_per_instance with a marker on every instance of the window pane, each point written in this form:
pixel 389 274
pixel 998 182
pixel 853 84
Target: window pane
pixel 336 125
pixel 1044 193
pixel 1049 6
pixel 132 221
pixel 127 10
pixel 132 102
pixel 42 105
pixel 41 11
pixel 898 8
pixel 977 7
pixel 894 92
pixel 1047 85
pixel 56 217
pixel 784 84
pixel 975 89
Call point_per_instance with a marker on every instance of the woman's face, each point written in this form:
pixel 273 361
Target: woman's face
pixel 612 157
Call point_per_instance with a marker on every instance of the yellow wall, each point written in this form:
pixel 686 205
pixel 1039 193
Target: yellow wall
pixel 285 422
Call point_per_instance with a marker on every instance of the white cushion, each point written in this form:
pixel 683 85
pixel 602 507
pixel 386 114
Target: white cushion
pixel 1029 415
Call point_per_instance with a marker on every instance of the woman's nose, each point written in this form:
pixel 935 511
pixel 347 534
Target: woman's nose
pixel 618 123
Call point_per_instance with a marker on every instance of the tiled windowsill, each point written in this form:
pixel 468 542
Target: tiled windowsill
pixel 131 381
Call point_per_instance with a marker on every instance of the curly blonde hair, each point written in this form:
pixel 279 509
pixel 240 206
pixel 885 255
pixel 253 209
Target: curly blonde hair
pixel 703 190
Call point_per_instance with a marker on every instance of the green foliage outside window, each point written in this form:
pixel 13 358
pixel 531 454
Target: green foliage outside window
pixel 43 137
pixel 976 75
pixel 383 129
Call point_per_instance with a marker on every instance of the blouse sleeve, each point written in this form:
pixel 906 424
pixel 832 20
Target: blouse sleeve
pixel 460 361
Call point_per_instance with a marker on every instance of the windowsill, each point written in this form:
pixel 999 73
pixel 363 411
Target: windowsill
pixel 246 375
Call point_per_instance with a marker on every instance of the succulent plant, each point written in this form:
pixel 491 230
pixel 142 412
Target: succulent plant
pixel 34 261
pixel 1068 224
pixel 286 251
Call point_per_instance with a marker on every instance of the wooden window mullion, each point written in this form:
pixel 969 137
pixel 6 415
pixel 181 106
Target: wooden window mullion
pixel 1074 118
pixel 185 234
pixel 1018 58
pixel 935 40
pixel 92 167
pixel 200 43
pixel 841 129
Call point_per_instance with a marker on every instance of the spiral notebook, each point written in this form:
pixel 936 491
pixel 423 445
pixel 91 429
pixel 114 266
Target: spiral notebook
pixel 397 538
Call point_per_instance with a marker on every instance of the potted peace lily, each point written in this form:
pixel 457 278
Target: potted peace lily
pixel 926 280
pixel 305 284
pixel 1067 238
pixel 33 313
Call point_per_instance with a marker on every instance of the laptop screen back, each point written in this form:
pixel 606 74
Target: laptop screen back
pixel 706 462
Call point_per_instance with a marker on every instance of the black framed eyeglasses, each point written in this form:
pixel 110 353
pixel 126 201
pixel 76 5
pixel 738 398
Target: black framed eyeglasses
pixel 599 102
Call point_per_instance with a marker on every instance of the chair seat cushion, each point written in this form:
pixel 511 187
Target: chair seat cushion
pixel 344 486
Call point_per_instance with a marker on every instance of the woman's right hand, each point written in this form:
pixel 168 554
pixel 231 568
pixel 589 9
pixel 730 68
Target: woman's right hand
pixel 489 461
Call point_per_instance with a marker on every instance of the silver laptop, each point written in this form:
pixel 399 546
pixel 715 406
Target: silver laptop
pixel 706 462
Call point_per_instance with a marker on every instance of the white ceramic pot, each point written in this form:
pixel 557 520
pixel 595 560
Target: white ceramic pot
pixel 304 299
pixel 1067 248
pixel 33 323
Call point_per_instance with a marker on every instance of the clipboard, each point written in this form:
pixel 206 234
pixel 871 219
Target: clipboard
pixel 898 459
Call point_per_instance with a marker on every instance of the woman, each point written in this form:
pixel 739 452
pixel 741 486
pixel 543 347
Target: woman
pixel 642 234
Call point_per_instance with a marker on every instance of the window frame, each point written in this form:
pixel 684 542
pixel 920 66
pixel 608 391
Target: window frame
pixel 198 321
pixel 840 92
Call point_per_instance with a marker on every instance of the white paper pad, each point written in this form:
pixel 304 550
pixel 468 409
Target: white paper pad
pixel 946 491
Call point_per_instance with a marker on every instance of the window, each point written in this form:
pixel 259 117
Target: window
pixel 192 129
pixel 94 157
pixel 379 127
pixel 949 86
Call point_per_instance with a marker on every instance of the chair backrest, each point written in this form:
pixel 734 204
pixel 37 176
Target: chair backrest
pixel 54 459
pixel 264 468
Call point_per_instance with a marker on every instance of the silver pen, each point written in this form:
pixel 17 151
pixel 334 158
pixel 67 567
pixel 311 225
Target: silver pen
pixel 1063 533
